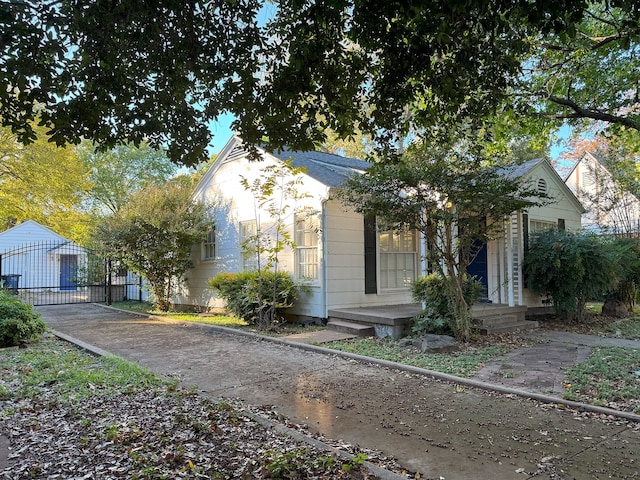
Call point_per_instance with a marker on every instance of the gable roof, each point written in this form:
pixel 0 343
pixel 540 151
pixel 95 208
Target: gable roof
pixel 331 170
pixel 31 226
pixel 528 168
pixel 28 232
pixel 328 169
pixel 518 170
pixel 585 156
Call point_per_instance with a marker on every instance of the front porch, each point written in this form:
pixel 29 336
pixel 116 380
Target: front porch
pixel 395 320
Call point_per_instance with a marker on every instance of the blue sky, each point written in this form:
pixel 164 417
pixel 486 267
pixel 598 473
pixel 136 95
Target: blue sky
pixel 221 131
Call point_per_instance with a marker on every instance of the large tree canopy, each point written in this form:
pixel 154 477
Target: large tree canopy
pixel 118 173
pixel 43 183
pixel 113 71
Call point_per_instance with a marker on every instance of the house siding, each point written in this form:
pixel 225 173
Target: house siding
pixel 232 204
pixel 563 206
pixel 345 263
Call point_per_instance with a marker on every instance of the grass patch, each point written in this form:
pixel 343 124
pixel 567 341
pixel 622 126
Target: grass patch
pixel 73 374
pixel 220 320
pixel 609 377
pixel 465 363
pixel 148 309
pixel 628 328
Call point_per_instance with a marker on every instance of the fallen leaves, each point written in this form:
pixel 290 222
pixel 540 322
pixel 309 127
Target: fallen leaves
pixel 150 433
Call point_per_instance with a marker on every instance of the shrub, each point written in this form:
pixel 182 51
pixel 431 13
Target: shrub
pixel 18 321
pixel 435 293
pixel 572 268
pixel 628 251
pixel 259 298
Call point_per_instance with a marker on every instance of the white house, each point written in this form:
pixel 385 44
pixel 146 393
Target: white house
pixel 34 257
pixel 609 209
pixel 341 256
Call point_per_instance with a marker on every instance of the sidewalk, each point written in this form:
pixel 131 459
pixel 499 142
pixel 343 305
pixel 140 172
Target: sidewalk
pixel 438 428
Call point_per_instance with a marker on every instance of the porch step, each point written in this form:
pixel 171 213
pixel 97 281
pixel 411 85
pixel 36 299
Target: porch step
pixel 501 324
pixel 505 327
pixel 351 328
pixel 495 320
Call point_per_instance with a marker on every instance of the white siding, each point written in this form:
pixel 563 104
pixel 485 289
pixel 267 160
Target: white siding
pixel 563 207
pixel 345 263
pixel 38 267
pixel 233 204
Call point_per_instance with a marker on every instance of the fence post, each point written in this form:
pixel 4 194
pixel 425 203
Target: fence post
pixel 109 282
pixel 140 288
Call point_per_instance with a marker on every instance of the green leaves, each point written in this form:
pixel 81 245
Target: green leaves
pixel 572 268
pixel 161 71
pixel 154 233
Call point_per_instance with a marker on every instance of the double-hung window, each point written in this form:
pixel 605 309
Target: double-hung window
pixel 248 246
pixel 208 249
pixel 398 258
pixel 538 226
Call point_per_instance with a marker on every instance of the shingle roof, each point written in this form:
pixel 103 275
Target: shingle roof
pixel 331 170
pixel 519 170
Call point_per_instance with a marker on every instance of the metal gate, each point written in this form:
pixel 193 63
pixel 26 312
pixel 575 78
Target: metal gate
pixel 60 272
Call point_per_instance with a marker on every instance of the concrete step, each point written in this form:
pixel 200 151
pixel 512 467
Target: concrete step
pixel 351 328
pixel 505 327
pixel 495 320
pixel 481 310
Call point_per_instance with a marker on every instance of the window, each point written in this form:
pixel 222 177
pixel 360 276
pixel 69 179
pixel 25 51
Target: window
pixel 537 226
pixel 208 251
pixel 398 258
pixel 248 246
pixel 306 251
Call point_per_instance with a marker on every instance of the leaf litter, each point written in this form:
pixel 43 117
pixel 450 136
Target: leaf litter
pixel 154 433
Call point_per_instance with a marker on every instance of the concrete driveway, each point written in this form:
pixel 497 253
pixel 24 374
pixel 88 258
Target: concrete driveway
pixel 437 428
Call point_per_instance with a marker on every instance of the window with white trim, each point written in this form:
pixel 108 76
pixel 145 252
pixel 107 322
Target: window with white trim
pixel 208 249
pixel 398 258
pixel 306 250
pixel 248 246
pixel 537 226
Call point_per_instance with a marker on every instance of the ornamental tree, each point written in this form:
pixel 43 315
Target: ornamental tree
pixel 453 196
pixel 153 235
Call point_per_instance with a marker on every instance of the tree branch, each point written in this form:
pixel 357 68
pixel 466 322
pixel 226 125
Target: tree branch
pixel 581 112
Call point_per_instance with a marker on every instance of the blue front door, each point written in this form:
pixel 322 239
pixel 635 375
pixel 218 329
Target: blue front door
pixel 68 272
pixel 478 268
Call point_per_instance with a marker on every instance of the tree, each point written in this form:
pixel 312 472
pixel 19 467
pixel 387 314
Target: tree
pixel 589 71
pixel 153 235
pixel 160 71
pixel 453 196
pixel 43 183
pixel 120 172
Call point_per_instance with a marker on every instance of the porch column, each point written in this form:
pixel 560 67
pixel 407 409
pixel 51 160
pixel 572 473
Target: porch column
pixel 509 261
pixel 519 256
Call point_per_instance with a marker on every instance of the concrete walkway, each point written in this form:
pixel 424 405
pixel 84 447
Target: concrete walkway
pixel 541 367
pixel 438 428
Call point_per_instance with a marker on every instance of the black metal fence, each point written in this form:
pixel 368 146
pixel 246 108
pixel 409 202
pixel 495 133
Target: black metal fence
pixel 60 272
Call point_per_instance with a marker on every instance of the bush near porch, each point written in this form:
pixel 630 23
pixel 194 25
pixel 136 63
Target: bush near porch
pixel 259 298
